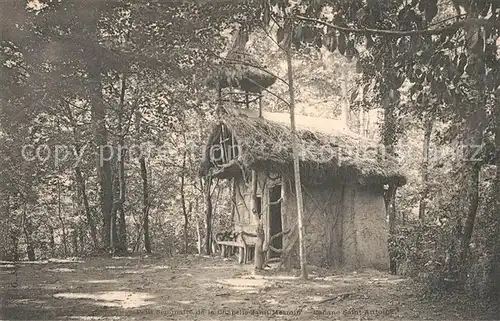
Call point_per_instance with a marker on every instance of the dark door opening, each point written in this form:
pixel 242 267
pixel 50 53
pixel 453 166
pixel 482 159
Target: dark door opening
pixel 259 206
pixel 275 224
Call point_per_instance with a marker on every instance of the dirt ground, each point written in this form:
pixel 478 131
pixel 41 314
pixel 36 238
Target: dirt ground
pixel 206 288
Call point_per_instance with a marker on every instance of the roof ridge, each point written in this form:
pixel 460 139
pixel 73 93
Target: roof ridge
pixel 282 118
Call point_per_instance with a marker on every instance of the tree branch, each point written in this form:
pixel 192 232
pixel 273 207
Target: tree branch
pixel 402 33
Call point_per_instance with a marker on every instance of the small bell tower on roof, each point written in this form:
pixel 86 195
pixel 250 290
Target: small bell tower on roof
pixel 241 79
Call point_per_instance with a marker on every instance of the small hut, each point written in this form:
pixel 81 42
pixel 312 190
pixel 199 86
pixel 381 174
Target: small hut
pixel 241 74
pixel 343 177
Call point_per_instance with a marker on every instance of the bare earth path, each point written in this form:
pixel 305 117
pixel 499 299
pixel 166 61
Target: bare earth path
pixel 202 288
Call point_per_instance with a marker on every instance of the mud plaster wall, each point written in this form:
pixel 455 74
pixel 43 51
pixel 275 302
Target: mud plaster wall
pixel 345 225
pixel 323 224
pixel 365 229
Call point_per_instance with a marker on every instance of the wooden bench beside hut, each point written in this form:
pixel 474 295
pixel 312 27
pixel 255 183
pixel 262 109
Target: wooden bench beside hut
pixel 244 242
pixel 343 177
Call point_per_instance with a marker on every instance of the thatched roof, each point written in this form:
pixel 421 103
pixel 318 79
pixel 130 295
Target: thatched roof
pixel 241 71
pixel 327 151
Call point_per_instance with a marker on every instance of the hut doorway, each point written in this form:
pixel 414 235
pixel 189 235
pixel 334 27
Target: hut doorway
pixel 259 206
pixel 275 223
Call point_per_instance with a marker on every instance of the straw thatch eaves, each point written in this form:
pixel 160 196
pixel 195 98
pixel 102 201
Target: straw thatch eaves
pixel 241 71
pixel 326 154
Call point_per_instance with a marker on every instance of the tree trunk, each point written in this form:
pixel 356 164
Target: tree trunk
pixel 81 238
pixel 114 243
pixel 296 167
pixel 389 139
pixel 103 162
pixel 425 167
pixel 476 120
pixel 15 246
pixel 346 111
pixel 360 123
pixel 145 194
pixel 390 208
pixel 4 223
pixel 61 219
pixel 74 242
pixel 145 204
pixel 28 229
pixel 208 216
pixel 138 228
pixel 183 203
pixel 122 227
pixel 390 195
pixel 52 242
pixel 30 250
pixel 198 234
pixel 88 214
pixel 472 169
pixel 473 201
pixel 367 125
pixel 13 235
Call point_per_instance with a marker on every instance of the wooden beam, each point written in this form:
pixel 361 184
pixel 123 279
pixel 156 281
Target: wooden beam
pixel 233 201
pixel 233 143
pixel 221 143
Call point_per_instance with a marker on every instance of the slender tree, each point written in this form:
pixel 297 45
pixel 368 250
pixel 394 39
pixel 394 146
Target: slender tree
pixel 207 186
pixel 185 213
pixel 295 149
pixel 428 122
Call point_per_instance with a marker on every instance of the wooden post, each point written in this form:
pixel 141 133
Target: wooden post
pixel 241 255
pixel 296 168
pixel 208 216
pixel 233 201
pixel 253 207
pixel 259 244
pixel 233 143
pixel 284 223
